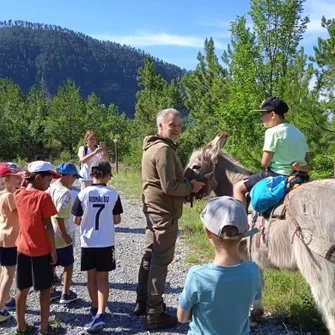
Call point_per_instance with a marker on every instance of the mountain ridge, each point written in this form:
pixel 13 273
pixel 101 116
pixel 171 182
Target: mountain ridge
pixel 47 55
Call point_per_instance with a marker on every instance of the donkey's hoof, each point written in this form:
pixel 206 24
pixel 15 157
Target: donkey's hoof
pixel 256 315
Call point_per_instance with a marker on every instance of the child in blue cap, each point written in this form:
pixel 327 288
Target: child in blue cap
pixel 60 192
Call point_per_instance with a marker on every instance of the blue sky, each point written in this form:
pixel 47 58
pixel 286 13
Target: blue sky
pixel 168 29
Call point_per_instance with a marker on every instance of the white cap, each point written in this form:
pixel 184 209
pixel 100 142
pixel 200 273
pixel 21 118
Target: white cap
pixel 226 211
pixel 42 166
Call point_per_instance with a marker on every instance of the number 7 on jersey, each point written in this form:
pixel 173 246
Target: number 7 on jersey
pixel 97 216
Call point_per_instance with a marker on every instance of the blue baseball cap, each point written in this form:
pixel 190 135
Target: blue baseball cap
pixel 68 168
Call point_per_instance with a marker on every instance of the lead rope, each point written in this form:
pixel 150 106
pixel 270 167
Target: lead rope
pixel 315 243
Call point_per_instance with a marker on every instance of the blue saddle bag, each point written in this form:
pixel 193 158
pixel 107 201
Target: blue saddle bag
pixel 268 192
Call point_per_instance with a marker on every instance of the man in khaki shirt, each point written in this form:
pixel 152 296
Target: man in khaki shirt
pixel 163 192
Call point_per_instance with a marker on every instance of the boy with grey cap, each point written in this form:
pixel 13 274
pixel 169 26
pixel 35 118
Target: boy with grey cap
pixel 217 296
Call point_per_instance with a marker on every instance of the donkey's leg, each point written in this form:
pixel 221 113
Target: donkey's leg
pixel 257 252
pixel 320 275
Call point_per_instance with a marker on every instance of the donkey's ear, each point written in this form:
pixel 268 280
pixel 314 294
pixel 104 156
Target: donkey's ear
pixel 213 148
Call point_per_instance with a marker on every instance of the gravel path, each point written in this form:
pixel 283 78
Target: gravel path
pixel 120 318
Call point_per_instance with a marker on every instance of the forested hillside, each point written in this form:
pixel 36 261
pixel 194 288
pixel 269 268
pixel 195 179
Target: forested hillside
pixel 46 56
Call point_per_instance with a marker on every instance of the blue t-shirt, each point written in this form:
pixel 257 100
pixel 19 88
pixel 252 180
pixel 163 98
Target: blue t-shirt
pixel 220 297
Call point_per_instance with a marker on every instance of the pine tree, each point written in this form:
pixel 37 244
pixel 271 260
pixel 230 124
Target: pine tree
pixel 66 121
pixel 260 65
pixel 156 94
pixel 205 88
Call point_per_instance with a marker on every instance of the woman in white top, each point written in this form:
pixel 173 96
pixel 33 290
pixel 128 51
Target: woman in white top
pixel 88 153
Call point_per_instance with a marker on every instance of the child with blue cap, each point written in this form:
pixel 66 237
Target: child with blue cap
pixel 217 296
pixel 60 192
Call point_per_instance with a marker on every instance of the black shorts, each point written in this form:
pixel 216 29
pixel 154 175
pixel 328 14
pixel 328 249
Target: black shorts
pixel 8 256
pixel 101 259
pixel 34 271
pixel 252 180
pixel 65 256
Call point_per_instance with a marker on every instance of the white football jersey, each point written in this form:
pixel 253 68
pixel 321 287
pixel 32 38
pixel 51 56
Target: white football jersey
pixel 97 205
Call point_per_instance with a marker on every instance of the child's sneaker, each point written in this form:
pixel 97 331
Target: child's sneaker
pixel 46 332
pixel 27 331
pixel 10 305
pixel 93 312
pixel 4 315
pixel 51 330
pixel 67 298
pixel 54 295
pixel 96 325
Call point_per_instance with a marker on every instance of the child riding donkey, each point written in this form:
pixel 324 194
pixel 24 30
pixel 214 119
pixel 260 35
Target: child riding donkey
pixel 285 149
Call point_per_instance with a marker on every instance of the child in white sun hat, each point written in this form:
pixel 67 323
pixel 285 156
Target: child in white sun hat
pixel 35 243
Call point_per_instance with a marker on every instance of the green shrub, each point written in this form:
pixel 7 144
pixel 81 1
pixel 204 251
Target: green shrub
pixel 323 167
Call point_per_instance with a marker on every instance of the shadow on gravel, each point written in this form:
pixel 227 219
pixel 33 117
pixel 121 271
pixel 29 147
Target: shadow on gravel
pixel 124 321
pixel 77 304
pixel 172 290
pixel 74 319
pixel 119 319
pixel 130 230
pixel 123 286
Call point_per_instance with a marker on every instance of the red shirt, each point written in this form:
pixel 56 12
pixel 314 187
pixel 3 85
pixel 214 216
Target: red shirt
pixel 33 206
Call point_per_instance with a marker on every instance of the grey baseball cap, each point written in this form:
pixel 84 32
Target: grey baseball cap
pixel 226 211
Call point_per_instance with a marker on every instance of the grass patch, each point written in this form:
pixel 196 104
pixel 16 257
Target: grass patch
pixel 286 295
pixel 192 258
pixel 128 181
pixel 56 327
pixel 194 232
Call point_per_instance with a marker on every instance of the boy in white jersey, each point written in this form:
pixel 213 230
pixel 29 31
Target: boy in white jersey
pixel 97 209
pixel 62 199
pixel 217 296
pixel 283 145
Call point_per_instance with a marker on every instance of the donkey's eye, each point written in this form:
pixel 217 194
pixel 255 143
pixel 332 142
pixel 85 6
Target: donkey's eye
pixel 196 167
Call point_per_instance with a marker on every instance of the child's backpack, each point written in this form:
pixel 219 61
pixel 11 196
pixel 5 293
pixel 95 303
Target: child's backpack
pixel 85 151
pixel 268 192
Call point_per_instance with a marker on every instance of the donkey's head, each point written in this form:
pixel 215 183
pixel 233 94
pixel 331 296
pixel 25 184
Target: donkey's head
pixel 203 161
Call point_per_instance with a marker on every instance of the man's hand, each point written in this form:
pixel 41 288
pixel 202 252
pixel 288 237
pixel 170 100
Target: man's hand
pixel 67 239
pixel 53 257
pixel 197 185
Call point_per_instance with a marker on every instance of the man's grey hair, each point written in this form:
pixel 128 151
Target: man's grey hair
pixel 162 114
